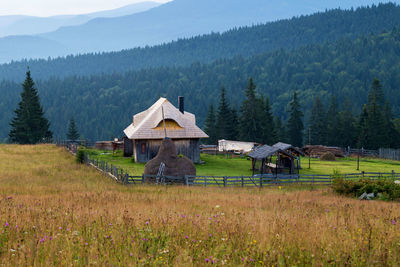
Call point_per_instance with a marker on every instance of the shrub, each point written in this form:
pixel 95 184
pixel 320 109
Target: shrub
pixel 80 156
pixel 327 156
pixel 385 189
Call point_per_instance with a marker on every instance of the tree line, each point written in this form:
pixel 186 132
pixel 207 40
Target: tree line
pixel 103 105
pixel 334 125
pixel 319 28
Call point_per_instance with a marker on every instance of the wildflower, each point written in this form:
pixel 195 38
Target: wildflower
pixel 207 260
pixel 86 243
pixel 131 254
pixel 217 206
pixel 147 222
pixel 6 224
pixel 393 222
pixel 209 235
pixel 67 229
pixel 186 237
pixel 42 240
pixel 280 187
pixel 110 224
pixel 60 228
pixel 50 238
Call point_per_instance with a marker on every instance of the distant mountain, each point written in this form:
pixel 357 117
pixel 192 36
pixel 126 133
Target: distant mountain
pixel 247 41
pixel 177 19
pixel 29 25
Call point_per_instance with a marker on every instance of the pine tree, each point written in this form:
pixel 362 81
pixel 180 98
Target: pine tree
pixel 332 123
pixel 268 125
pixel 210 126
pixel 29 126
pixel 295 123
pixel 346 131
pixel 73 133
pixel 363 128
pixel 251 111
pixel 223 117
pixel 233 125
pixel 281 133
pixel 377 133
pixel 318 123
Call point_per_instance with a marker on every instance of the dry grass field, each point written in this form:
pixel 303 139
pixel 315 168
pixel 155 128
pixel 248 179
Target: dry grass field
pixel 54 212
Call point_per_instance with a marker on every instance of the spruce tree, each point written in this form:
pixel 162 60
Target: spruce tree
pixel 72 133
pixel 295 123
pixel 223 117
pixel 268 124
pixel 233 125
pixel 29 126
pixel 210 126
pixel 332 123
pixel 280 128
pixel 318 123
pixel 377 132
pixel 251 111
pixel 346 131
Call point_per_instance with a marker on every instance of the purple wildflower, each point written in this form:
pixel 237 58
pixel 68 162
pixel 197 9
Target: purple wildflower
pixel 6 224
pixel 60 227
pixel 147 223
pixel 86 243
pixel 186 237
pixel 209 235
pixel 207 260
pixel 42 240
pixel 393 222
pixel 131 254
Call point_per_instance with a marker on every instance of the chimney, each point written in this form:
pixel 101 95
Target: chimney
pixel 181 104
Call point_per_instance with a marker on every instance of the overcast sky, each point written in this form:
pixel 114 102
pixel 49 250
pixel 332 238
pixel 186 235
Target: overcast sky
pixel 45 8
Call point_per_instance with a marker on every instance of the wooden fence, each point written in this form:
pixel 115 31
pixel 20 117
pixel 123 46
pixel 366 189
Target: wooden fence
pixel 122 176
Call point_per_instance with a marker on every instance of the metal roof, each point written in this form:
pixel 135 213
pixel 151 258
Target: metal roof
pixel 266 151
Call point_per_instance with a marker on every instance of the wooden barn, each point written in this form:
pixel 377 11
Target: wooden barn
pixel 150 127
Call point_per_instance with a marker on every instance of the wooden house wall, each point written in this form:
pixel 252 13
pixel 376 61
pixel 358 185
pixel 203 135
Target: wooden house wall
pixel 187 147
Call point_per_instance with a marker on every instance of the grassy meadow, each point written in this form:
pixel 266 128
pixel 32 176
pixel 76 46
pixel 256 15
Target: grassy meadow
pixel 223 166
pixel 55 212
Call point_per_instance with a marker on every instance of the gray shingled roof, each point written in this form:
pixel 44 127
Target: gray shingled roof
pixel 263 152
pixel 284 147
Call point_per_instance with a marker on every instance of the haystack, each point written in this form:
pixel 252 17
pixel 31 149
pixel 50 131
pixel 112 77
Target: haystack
pixel 174 165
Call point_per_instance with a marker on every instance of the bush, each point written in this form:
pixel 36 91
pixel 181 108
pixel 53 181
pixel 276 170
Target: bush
pixel 328 156
pixel 386 189
pixel 80 156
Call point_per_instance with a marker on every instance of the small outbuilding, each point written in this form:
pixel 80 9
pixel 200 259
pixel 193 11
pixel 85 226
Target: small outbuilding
pixel 235 146
pixel 279 158
pixel 149 128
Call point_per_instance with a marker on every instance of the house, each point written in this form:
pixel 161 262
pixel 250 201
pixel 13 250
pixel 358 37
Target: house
pixel 161 120
pixel 235 146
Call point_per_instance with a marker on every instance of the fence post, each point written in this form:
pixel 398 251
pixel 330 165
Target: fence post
pixel 187 180
pixel 224 181
pixel 205 181
pixel 143 179
pixel 392 174
pixel 362 173
pixel 261 181
pixel 242 181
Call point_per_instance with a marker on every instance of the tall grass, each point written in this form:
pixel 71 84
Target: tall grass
pixel 57 212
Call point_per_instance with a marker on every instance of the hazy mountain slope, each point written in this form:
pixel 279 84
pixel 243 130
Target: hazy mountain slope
pixel 28 25
pixel 26 45
pixel 184 18
pixel 178 19
pixel 248 41
pixel 103 105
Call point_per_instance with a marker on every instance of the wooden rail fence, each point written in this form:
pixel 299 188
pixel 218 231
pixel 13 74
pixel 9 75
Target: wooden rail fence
pixel 122 176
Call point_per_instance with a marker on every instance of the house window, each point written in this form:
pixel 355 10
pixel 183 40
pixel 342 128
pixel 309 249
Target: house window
pixel 143 148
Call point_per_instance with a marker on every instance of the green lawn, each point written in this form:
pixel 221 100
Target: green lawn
pixel 222 166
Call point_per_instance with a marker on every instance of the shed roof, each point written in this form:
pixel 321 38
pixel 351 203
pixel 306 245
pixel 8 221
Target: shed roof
pixel 266 151
pixel 144 125
pixel 285 147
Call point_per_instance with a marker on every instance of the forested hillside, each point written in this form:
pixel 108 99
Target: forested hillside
pixel 103 105
pixel 248 41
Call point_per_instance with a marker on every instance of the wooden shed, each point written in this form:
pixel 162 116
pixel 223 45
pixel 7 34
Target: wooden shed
pixel 161 120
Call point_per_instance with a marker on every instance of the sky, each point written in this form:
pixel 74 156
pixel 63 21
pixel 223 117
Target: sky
pixel 45 8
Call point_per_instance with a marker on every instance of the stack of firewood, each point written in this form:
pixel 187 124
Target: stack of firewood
pixel 318 151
